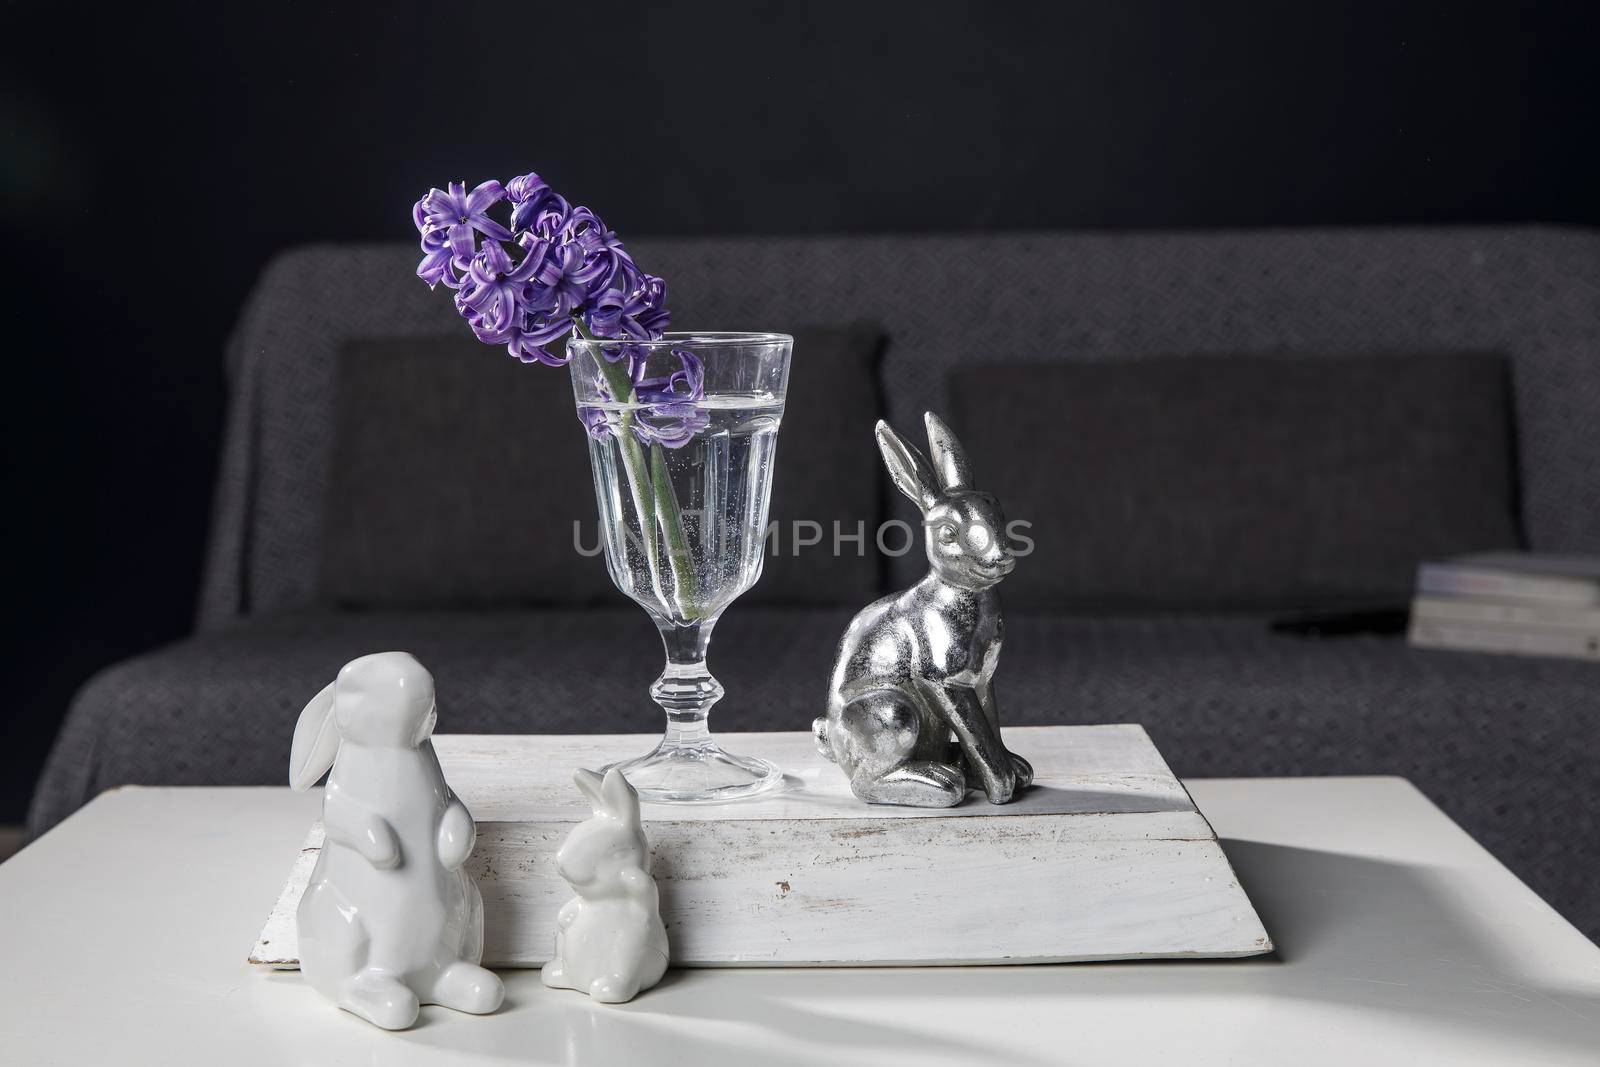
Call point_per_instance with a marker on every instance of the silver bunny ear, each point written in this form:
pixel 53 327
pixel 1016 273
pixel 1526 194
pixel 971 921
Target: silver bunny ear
pixel 910 471
pixel 620 798
pixel 589 785
pixel 316 741
pixel 949 458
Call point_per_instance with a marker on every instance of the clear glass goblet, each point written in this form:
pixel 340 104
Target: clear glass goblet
pixel 682 436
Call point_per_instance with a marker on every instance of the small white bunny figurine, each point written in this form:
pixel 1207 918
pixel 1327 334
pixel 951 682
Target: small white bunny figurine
pixel 610 942
pixel 389 919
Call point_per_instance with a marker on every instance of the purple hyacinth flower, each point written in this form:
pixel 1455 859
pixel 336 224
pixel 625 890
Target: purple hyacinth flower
pixel 613 314
pixel 672 425
pixel 673 411
pixel 531 344
pixel 573 269
pixel 491 295
pixel 461 215
pixel 600 422
pixel 607 264
pixel 562 293
pixel 527 187
pixel 597 421
pixel 537 210
pixel 684 385
pixel 654 317
pixel 438 262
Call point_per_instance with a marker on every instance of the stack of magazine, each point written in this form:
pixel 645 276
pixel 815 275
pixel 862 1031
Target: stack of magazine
pixel 1522 603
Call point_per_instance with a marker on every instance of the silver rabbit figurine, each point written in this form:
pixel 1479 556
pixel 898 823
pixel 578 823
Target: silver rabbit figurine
pixel 911 709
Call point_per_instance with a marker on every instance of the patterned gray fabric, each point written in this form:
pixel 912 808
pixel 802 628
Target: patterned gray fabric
pixel 1531 293
pixel 1501 744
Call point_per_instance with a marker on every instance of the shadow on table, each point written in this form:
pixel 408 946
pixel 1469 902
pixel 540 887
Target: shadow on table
pixel 1370 934
pixel 1351 932
pixel 764 1020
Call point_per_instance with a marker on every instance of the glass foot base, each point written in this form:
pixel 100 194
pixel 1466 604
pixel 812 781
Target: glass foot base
pixel 698 773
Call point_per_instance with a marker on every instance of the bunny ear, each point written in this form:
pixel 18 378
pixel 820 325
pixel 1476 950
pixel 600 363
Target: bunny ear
pixel 619 795
pixel 316 741
pixel 949 458
pixel 589 785
pixel 910 471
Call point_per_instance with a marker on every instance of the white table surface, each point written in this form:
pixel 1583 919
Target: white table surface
pixel 1400 940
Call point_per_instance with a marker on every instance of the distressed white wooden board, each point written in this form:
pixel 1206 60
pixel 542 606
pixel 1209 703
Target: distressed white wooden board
pixel 1077 769
pixel 1105 858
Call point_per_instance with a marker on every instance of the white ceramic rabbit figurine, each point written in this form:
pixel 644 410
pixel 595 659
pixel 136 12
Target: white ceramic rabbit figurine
pixel 911 716
pixel 610 942
pixel 389 919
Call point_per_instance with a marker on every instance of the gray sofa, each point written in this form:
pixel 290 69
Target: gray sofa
pixel 1502 744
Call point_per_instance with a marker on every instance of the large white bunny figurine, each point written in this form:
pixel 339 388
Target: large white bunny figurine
pixel 610 942
pixel 389 919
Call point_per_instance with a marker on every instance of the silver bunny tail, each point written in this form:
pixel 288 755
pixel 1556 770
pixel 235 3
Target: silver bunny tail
pixel 819 730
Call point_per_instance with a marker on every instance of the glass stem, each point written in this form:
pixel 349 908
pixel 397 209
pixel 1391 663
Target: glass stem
pixel 686 689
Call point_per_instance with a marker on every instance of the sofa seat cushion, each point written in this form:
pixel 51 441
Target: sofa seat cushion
pixel 1500 743
pixel 220 708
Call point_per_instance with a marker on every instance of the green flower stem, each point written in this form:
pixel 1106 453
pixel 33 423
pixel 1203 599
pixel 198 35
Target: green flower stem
pixel 653 499
pixel 671 518
pixel 643 493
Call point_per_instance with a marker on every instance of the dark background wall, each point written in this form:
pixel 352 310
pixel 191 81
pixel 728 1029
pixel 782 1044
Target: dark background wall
pixel 152 158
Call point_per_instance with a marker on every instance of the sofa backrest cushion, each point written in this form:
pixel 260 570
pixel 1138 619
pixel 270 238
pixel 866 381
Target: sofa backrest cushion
pixel 827 481
pixel 460 478
pixel 948 301
pixel 457 475
pixel 1241 482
